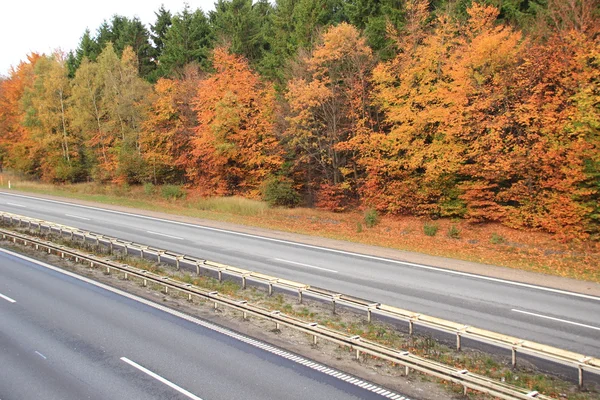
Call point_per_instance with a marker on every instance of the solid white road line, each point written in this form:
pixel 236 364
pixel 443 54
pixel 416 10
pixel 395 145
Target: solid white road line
pixel 309 246
pixel 7 298
pixel 16 205
pixel 162 234
pixel 78 217
pixel 557 319
pixel 215 328
pixel 305 265
pixel 41 355
pixel 161 379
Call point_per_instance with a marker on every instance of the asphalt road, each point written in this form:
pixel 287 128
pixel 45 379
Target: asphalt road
pixel 559 319
pixel 64 338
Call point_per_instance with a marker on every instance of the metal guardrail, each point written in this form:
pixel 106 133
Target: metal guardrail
pixel 361 346
pixel 514 344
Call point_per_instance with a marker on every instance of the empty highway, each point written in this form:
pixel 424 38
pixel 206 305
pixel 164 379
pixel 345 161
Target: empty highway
pixel 63 337
pixel 561 319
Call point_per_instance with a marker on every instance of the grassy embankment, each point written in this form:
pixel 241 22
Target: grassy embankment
pixel 484 243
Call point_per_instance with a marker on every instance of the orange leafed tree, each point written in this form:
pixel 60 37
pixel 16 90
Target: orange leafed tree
pixel 169 127
pixel 411 166
pixel 17 147
pixel 329 102
pixel 535 154
pixel 234 147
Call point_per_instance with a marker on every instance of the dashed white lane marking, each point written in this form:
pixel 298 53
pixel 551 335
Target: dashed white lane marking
pixel 161 379
pixel 41 355
pixel 16 205
pixel 7 298
pixel 165 235
pixel 556 319
pixel 78 217
pixel 306 265
pixel 261 345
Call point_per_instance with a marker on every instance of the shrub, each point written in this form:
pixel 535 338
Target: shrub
pixel 332 197
pixel 371 218
pixel 278 192
pixel 454 232
pixel 172 192
pixel 497 239
pixel 430 229
pixel 148 188
pixel 359 227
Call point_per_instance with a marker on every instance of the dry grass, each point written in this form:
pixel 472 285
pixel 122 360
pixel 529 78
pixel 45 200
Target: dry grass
pixel 484 243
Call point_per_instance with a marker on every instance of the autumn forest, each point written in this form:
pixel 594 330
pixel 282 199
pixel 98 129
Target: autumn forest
pixel 487 111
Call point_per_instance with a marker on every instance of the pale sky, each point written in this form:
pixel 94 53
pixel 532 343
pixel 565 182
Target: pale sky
pixel 45 25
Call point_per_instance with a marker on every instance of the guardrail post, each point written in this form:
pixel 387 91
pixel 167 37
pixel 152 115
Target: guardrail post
pixel 514 357
pixel 406 370
pixel 270 289
pixel 411 327
pixel 145 282
pixel 220 275
pixel 580 368
pixel 177 262
pixel 243 282
pixel 457 341
pixel 357 355
pixel 108 270
pixel 197 266
pixel 126 276
pixel 333 304
pixel 369 317
pixel 314 340
pixel 300 296
pixel 166 289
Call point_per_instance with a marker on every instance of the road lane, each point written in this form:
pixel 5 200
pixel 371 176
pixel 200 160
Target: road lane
pixel 66 339
pixel 460 297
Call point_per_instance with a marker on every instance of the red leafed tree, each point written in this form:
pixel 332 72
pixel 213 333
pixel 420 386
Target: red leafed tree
pixel 234 147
